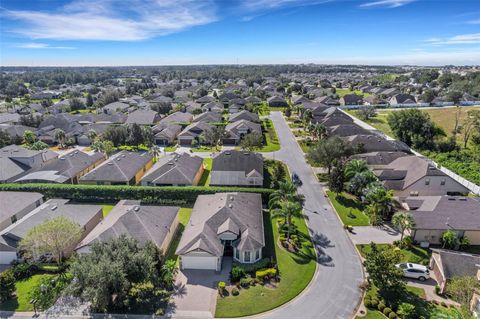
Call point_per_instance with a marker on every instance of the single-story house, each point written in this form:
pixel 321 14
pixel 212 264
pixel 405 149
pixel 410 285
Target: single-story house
pixel 237 168
pixel 177 117
pixel 15 205
pixel 434 215
pixel 141 222
pixel 213 107
pixel 379 160
pixel 347 130
pixel 208 117
pixel 277 101
pixel 416 176
pixel 143 117
pixel 86 216
pixel 244 115
pixel 175 169
pixel 223 224
pixel 67 168
pixel 366 143
pixel 192 133
pixel 115 107
pixel 402 98
pixel 124 168
pixel 447 264
pixel 205 99
pixel 168 134
pixel 237 130
pixel 351 99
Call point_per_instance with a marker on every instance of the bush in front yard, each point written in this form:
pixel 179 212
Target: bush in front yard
pixel 392 315
pixel 245 282
pixel 251 268
pixel 221 288
pixel 387 311
pixel 24 270
pixel 235 291
pixel 237 273
pixel 266 274
pixel 7 285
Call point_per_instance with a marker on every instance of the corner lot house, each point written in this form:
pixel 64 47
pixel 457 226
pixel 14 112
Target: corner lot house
pixel 237 169
pixel 87 216
pixel 141 222
pixel 223 224
pixel 415 176
pixel 15 205
pixel 434 215
pixel 67 168
pixel 124 168
pixel 447 264
pixel 175 169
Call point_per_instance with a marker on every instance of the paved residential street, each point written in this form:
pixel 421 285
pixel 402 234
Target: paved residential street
pixel 334 292
pixel 383 234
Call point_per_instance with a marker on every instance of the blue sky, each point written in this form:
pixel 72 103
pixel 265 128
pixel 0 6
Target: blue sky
pixel 154 32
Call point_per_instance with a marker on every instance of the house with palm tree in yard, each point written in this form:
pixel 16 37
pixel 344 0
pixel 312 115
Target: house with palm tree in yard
pixel 223 225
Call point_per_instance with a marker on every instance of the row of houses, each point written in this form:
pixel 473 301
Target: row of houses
pixel 222 224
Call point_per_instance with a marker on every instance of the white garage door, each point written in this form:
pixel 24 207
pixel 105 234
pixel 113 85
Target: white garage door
pixel 189 262
pixel 6 257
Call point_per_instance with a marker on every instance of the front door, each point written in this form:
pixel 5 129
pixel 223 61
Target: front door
pixel 228 248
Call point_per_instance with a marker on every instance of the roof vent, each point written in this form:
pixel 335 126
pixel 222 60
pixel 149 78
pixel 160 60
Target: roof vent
pixel 228 153
pixel 110 163
pixel 231 198
pixel 62 158
pixel 123 155
pixel 230 205
pixel 451 198
pixel 76 152
pixel 136 208
pixel 54 207
pixel 462 198
pixel 118 159
pixel 246 153
pixel 170 163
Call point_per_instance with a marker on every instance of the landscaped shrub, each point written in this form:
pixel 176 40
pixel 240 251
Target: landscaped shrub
pixel 237 273
pixel 387 311
pixel 437 290
pixel 245 282
pixel 266 274
pixel 167 195
pixel 392 315
pixel 251 268
pixel 24 270
pixel 381 306
pixel 221 288
pixel 235 291
pixel 7 285
pixel 374 303
pixel 368 303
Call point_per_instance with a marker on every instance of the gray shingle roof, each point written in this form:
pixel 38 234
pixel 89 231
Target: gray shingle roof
pixel 174 169
pixel 458 264
pixel 142 117
pixel 14 202
pixel 238 161
pixel 121 167
pixel 214 214
pixel 244 115
pixel 142 222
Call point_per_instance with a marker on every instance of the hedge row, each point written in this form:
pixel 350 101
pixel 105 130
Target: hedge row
pixel 165 195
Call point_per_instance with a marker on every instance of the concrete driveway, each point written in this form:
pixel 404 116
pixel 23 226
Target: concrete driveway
pixel 196 292
pixel 384 234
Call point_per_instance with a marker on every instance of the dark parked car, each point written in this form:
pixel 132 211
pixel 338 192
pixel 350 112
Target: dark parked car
pixel 296 180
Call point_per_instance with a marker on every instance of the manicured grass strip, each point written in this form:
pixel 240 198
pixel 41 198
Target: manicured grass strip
pixel 271 141
pixel 342 92
pixel 296 271
pixel 183 217
pixel 205 149
pixel 205 180
pixel 23 289
pixel 171 148
pixel 415 254
pixel 372 314
pixel 349 209
pixel 107 209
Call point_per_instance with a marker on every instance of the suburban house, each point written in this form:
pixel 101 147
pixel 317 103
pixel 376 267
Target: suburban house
pixel 237 130
pixel 213 107
pixel 143 117
pixel 434 215
pixel 347 130
pixel 379 160
pixel 351 99
pixel 67 168
pixel 253 99
pixel 177 117
pixel 168 134
pixel 16 205
pixel 115 107
pixel 416 176
pixel 277 101
pixel 16 160
pixel 205 99
pixel 223 224
pixel 237 168
pixel 366 143
pixel 175 169
pixel 192 133
pixel 244 115
pixel 124 168
pixel 447 264
pixel 141 222
pixel 86 216
pixel 402 98
pixel 208 117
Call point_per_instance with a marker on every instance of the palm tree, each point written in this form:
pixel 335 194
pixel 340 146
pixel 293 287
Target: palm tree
pixel 155 151
pixel 91 134
pixel 355 166
pixel 382 199
pixel 287 211
pixel 29 137
pixel 403 221
pixel 287 191
pixel 374 212
pixel 321 131
pixel 60 136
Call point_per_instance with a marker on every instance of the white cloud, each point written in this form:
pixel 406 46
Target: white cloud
pixel 114 20
pixel 474 21
pixel 386 3
pixel 473 38
pixel 255 5
pixel 36 45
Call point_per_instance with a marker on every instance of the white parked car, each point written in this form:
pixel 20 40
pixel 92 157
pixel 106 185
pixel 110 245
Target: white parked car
pixel 414 271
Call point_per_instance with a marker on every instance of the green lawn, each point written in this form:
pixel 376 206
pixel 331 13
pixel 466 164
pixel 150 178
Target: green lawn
pixel 349 209
pixel 416 254
pixel 205 180
pixel 379 122
pixel 22 290
pixel 296 271
pixel 171 148
pixel 272 143
pixel 342 92
pixel 268 167
pixel 205 148
pixel 107 209
pixel 372 314
pixel 183 217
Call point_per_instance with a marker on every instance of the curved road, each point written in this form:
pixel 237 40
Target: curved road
pixel 334 292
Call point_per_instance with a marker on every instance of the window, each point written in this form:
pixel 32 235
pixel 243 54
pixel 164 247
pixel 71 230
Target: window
pixel 442 182
pixel 427 181
pixel 237 254
pixel 246 257
pixel 257 255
